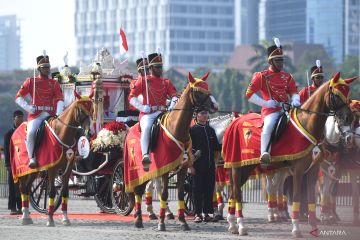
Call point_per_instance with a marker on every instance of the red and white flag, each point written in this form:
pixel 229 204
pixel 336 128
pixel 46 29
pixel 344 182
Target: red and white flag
pixel 123 47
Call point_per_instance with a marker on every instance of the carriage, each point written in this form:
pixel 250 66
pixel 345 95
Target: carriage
pixel 103 168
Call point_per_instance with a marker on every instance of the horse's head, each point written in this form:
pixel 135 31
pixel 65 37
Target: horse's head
pixel 200 94
pixel 338 99
pixel 84 106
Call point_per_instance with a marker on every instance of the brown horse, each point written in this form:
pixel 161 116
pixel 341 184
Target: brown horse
pixel 195 95
pixel 66 127
pixel 331 98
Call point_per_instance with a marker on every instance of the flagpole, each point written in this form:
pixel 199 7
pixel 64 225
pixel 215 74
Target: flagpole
pixel 145 75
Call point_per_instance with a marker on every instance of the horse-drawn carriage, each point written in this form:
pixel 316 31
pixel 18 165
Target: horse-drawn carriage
pixel 101 168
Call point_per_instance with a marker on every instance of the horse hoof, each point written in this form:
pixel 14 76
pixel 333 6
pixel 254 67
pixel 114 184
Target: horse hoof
pixel 161 227
pixel 50 224
pixel 233 230
pixel 243 231
pixel 27 221
pixel 296 234
pixel 185 227
pixel 153 216
pixel 170 216
pixel 271 219
pixel 139 224
pixel 66 222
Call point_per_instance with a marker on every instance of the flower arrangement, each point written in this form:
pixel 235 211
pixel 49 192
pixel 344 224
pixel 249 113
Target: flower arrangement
pixel 111 137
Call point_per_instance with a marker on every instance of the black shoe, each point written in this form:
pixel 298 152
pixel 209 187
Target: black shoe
pixel 198 218
pixel 207 218
pixel 265 160
pixel 146 162
pixel 33 163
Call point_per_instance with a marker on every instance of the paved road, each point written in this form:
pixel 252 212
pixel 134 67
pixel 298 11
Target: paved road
pixel 115 228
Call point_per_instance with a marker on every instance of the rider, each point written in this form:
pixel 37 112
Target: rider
pixel 317 78
pixel 275 87
pixel 154 100
pixel 46 99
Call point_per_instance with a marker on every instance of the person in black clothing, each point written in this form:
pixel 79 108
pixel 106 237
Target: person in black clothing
pixel 14 204
pixel 204 139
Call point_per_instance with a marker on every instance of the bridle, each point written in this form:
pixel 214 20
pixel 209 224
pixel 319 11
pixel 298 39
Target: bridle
pixel 194 89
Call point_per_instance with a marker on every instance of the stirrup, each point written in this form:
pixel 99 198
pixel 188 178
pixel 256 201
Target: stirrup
pixel 33 163
pixel 265 159
pixel 146 162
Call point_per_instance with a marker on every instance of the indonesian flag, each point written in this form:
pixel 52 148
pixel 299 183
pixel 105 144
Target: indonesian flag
pixel 123 47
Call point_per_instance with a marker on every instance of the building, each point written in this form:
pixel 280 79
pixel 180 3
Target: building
pixel 352 27
pixel 246 22
pixel 189 33
pixel 304 21
pixel 10 51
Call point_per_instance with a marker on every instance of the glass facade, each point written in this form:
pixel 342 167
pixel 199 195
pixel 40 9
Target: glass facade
pixel 189 33
pixel 304 21
pixel 9 43
pixel 352 27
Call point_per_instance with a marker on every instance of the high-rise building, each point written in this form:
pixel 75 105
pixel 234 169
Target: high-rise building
pixel 304 21
pixel 352 27
pixel 9 43
pixel 189 33
pixel 246 22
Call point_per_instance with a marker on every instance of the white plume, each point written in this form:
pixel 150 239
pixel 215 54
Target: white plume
pixel 44 53
pixel 318 63
pixel 159 51
pixel 143 54
pixel 66 58
pixel 277 42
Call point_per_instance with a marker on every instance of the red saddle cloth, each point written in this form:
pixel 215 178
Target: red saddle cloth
pixel 48 154
pixel 166 157
pixel 241 146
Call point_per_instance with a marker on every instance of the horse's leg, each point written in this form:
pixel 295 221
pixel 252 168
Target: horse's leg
pixel 281 199
pixel 238 180
pixel 311 182
pixel 355 197
pixel 163 199
pixel 24 190
pixel 297 179
pixel 232 203
pixel 139 191
pixel 148 199
pixel 181 192
pixel 52 192
pixel 325 199
pixel 271 194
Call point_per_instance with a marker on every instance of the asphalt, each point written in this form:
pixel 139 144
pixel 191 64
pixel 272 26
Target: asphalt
pixel 88 223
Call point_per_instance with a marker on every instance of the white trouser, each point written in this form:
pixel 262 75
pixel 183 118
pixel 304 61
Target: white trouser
pixel 145 124
pixel 32 126
pixel 269 124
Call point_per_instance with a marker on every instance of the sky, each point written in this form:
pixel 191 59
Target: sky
pixel 44 25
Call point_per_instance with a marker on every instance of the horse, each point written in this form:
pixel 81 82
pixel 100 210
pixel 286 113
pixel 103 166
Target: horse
pixel 330 99
pixel 177 125
pixel 339 152
pixel 219 124
pixel 65 129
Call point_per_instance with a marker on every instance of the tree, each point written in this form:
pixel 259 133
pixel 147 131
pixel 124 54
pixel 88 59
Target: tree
pixel 350 68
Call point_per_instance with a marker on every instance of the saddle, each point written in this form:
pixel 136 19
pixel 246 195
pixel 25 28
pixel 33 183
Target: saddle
pixel 280 126
pixel 40 133
pixel 155 130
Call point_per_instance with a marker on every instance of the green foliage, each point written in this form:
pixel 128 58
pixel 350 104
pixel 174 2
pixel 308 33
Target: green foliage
pixel 350 68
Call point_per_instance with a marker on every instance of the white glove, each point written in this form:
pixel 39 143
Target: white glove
pixel 60 107
pixel 295 100
pixel 173 102
pixel 271 103
pixel 25 105
pixel 262 103
pixel 137 104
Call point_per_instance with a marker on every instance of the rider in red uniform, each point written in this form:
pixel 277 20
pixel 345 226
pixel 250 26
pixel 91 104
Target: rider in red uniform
pixel 46 100
pixel 275 87
pixel 317 78
pixel 154 100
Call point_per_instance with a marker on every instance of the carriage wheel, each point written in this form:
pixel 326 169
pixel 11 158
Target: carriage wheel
pixel 39 194
pixel 103 193
pixel 120 198
pixel 188 196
